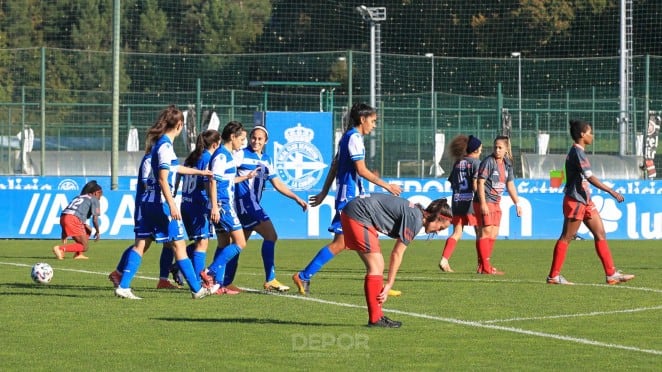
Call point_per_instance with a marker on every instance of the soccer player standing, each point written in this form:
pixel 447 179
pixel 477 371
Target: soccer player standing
pixel 578 208
pixel 495 175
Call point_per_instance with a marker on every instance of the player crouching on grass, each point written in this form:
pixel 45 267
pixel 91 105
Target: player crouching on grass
pixel 73 218
pixel 364 218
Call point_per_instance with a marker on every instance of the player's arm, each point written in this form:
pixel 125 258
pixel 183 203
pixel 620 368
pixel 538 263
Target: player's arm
pixel 316 200
pixel 182 169
pixel 95 223
pixel 167 194
pixel 597 183
pixel 214 213
pixel 283 189
pixel 393 267
pixel 512 191
pixel 364 172
pixel 481 196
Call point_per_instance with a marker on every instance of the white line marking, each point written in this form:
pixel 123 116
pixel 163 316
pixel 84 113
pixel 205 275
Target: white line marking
pixel 579 315
pixel 476 324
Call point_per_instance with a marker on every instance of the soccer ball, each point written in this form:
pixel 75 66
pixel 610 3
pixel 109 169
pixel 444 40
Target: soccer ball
pixel 42 273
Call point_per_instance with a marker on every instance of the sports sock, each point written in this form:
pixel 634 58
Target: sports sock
pixel 321 258
pixel 268 253
pixel 72 247
pixel 479 256
pixel 231 270
pixel 186 268
pixel 221 260
pixel 122 263
pixel 484 248
pixel 491 247
pixel 560 250
pixel 133 261
pixel 165 262
pixel 602 249
pixel 372 286
pixel 449 247
pixel 199 259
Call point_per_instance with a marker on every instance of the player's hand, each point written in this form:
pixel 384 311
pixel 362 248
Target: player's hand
pixel 214 215
pixel 394 189
pixel 519 210
pixel 206 172
pixel 302 204
pixel 618 196
pixel 316 200
pixel 383 296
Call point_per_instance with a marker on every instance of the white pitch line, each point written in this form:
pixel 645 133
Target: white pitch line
pixel 578 315
pixel 476 324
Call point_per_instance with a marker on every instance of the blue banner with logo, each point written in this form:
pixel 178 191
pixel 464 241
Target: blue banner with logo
pixel 32 207
pixel 300 144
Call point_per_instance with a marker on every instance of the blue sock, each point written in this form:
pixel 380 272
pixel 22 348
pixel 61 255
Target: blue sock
pixel 268 252
pixel 323 256
pixel 167 255
pixel 218 266
pixel 186 268
pixel 231 270
pixel 199 259
pixel 190 249
pixel 122 264
pixel 133 261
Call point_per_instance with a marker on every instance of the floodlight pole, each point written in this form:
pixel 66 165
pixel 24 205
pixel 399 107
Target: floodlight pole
pixel 374 15
pixel 518 55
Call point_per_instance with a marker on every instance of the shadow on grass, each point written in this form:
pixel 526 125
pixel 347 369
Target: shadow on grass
pixel 251 321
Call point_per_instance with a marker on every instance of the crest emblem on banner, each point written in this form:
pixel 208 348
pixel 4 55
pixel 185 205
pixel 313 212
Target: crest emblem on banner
pixel 299 163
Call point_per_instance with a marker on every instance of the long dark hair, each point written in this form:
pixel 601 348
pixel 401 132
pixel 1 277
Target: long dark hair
pixel 167 119
pixel 232 128
pixel 204 141
pixel 358 111
pixel 438 207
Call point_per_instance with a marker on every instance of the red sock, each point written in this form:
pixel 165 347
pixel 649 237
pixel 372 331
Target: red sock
pixel 491 247
pixel 560 250
pixel 602 249
pixel 449 248
pixel 72 247
pixel 484 249
pixel 372 286
pixel 479 256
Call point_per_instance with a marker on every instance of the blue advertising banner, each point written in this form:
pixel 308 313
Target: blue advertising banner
pixel 32 209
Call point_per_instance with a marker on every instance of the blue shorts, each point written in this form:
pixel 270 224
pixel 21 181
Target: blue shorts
pixel 154 221
pixel 196 220
pixel 249 216
pixel 229 221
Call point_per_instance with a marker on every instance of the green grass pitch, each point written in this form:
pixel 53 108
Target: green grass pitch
pixel 451 321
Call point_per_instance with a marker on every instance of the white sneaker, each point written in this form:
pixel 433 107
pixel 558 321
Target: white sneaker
pixel 203 292
pixel 559 279
pixel 619 277
pixel 275 285
pixel 126 293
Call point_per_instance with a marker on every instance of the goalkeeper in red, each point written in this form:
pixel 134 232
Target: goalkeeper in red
pixel 364 218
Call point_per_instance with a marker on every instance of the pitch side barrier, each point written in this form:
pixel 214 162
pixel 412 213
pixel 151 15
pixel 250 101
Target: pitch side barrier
pixel 603 166
pixel 33 206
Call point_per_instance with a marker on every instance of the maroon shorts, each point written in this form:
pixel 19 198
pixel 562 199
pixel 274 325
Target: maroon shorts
pixel 493 218
pixel 575 210
pixel 359 237
pixel 72 225
pixel 465 220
